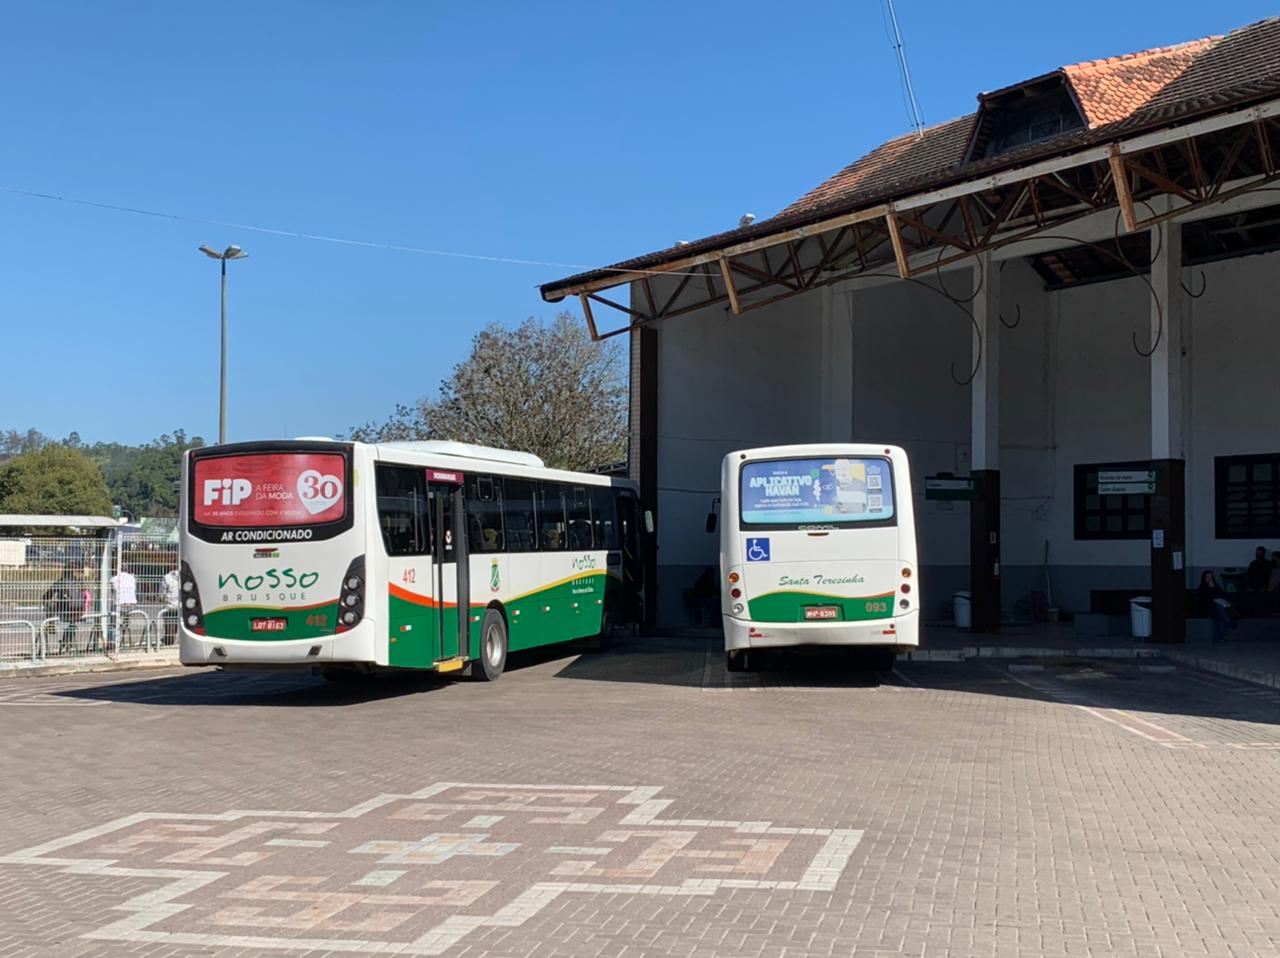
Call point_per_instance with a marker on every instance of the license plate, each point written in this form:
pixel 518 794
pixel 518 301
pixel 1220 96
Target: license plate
pixel 268 625
pixel 822 612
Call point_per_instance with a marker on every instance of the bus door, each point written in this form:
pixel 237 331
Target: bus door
pixel 632 558
pixel 450 566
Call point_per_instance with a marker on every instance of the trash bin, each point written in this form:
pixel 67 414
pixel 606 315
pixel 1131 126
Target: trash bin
pixel 964 610
pixel 1140 616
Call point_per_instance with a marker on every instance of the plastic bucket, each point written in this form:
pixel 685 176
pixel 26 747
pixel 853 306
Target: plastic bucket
pixel 1140 616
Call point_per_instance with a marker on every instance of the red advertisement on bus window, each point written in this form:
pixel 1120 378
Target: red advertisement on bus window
pixel 271 489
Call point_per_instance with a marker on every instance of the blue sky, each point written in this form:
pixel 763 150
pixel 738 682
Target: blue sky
pixel 576 133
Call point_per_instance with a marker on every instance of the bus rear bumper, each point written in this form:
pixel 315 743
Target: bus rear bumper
pixel 902 632
pixel 355 646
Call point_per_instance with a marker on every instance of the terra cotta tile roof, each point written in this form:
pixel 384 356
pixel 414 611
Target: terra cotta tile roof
pixel 1119 96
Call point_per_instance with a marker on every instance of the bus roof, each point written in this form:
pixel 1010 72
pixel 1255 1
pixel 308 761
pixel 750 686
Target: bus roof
pixel 466 450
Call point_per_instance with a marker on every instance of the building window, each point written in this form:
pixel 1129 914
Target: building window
pixel 1247 496
pixel 1017 128
pixel 1110 516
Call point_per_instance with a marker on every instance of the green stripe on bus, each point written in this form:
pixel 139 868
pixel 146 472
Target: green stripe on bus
pixel 789 606
pixel 561 612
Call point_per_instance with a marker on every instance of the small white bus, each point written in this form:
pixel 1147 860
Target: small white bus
pixel 417 555
pixel 818 548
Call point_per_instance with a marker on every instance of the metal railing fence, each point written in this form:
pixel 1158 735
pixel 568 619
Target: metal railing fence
pixel 81 597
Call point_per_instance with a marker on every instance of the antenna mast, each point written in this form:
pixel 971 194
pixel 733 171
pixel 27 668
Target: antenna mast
pixel 898 45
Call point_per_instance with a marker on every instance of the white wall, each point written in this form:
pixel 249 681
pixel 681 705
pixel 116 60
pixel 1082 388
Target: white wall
pixel 873 365
pixel 1233 389
pixel 725 382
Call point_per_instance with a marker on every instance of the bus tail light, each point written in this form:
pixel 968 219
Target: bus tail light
pixel 733 578
pixel 906 572
pixel 351 596
pixel 736 593
pixel 192 610
pixel 906 588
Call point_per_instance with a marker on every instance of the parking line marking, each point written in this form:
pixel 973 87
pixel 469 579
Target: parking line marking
pixel 1166 737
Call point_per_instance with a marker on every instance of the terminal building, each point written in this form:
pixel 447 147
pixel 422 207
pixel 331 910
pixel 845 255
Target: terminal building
pixel 1064 306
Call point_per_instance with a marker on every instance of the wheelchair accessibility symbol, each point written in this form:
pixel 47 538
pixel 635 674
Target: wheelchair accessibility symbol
pixel 757 550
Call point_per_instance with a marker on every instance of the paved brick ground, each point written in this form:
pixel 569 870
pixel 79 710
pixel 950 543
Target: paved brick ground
pixel 644 802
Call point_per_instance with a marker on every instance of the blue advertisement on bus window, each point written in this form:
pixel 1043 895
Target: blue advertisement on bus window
pixel 817 491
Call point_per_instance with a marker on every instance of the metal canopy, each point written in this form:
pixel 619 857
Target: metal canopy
pixel 13 521
pixel 1196 165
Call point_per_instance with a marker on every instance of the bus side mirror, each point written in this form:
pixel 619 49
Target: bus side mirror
pixel 713 515
pixel 648 522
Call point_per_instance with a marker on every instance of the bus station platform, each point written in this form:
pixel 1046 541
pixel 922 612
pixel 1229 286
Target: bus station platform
pixel 1253 657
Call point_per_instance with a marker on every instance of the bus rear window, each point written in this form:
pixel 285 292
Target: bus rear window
pixel 274 490
pixel 825 491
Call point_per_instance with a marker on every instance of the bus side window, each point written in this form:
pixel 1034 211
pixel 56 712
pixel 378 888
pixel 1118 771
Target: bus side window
pixel 579 509
pixel 517 501
pixel 604 518
pixel 403 516
pixel 551 524
pixel 484 514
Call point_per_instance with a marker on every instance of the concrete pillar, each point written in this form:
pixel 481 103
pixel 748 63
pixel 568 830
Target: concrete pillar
pixel 984 511
pixel 648 469
pixel 1168 504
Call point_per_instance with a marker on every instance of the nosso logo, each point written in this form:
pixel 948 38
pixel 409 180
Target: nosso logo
pixel 231 492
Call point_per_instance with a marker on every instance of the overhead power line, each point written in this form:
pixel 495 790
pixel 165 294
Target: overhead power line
pixel 296 234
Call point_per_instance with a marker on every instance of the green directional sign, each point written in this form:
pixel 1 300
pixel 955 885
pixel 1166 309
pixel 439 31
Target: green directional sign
pixel 948 488
pixel 1126 482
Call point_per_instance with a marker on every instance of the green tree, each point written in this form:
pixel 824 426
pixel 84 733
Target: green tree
pixel 53 481
pixel 143 479
pixel 14 443
pixel 543 387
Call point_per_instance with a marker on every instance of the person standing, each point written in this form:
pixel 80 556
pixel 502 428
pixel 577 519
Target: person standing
pixel 125 588
pixel 1259 574
pixel 171 588
pixel 60 603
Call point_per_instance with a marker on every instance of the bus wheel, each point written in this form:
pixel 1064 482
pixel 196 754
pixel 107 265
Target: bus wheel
pixel 493 648
pixel 735 660
pixel 602 641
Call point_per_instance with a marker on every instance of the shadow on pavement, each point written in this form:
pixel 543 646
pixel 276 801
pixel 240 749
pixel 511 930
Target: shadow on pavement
pixel 273 689
pixel 1150 687
pixel 214 687
pixel 699 662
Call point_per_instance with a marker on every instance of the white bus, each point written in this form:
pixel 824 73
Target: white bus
pixel 349 557
pixel 818 548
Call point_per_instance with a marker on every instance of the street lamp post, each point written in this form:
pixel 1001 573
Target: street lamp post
pixel 231 252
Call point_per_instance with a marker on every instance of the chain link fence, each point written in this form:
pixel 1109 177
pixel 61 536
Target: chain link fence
pixel 67 598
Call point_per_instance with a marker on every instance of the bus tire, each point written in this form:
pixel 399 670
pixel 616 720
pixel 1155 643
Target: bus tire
pixel 604 638
pixel 493 648
pixel 735 660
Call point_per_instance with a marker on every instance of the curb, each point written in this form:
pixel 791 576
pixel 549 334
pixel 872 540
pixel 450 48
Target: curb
pixel 24 671
pixel 1218 667
pixel 1018 652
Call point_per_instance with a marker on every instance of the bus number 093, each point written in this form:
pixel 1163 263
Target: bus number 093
pixel 877 606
